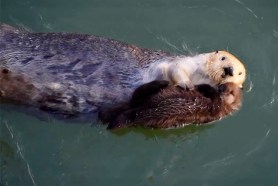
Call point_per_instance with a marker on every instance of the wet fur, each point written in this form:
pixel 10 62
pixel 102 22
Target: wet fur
pixel 170 106
pixel 74 73
pixel 79 73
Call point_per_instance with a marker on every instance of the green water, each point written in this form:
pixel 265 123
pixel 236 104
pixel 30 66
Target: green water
pixel 240 150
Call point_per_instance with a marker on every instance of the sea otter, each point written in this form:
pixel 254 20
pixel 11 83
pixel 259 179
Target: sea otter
pixel 160 105
pixel 79 73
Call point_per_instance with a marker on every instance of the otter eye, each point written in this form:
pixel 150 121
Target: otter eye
pixel 240 73
pixel 223 58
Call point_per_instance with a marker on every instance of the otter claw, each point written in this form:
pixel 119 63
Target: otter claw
pixel 185 86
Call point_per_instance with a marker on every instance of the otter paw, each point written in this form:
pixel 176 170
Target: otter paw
pixel 145 91
pixel 186 86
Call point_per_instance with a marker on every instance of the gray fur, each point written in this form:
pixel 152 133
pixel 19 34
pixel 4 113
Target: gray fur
pixel 73 72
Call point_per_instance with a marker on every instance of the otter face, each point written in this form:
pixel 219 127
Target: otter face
pixel 230 93
pixel 223 67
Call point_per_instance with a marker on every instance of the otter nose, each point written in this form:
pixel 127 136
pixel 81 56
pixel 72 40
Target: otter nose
pixel 228 71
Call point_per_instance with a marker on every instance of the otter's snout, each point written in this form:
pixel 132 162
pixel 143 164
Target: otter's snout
pixel 229 71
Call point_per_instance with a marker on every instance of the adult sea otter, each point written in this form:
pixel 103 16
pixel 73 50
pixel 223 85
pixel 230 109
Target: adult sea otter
pixel 79 73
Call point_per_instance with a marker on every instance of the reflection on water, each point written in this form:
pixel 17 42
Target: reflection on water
pixel 239 150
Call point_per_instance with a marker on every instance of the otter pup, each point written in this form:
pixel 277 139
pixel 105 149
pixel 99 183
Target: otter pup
pixel 79 73
pixel 160 105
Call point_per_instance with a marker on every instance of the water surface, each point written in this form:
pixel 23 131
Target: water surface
pixel 239 150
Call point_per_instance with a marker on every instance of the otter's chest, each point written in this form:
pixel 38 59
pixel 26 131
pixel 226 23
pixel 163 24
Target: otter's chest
pixel 199 77
pixel 194 69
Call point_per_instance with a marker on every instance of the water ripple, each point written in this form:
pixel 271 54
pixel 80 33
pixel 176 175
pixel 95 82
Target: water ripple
pixel 247 8
pixel 183 49
pixel 259 144
pixel 274 96
pixel 250 87
pixel 20 151
pixel 220 162
pixel 275 33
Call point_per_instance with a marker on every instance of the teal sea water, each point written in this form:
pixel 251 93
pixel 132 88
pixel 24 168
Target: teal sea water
pixel 240 150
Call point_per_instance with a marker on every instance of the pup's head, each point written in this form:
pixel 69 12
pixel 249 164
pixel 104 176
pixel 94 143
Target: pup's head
pixel 223 67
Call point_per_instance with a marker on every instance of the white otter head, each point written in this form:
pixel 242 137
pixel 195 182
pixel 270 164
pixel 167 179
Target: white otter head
pixel 224 67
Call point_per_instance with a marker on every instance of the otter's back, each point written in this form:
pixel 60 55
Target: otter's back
pixel 94 69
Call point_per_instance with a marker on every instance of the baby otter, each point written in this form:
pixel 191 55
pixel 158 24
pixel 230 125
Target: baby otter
pixel 160 105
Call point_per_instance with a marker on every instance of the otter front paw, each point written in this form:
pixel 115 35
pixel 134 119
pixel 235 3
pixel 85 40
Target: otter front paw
pixel 184 85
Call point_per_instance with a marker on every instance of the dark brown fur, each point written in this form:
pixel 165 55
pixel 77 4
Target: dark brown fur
pixel 159 105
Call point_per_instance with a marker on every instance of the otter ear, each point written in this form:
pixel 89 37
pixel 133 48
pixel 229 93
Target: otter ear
pixel 216 51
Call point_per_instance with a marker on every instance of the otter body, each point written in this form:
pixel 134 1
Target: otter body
pixel 160 105
pixel 70 72
pixel 78 73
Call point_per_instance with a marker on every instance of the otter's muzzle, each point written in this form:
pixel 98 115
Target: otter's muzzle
pixel 228 71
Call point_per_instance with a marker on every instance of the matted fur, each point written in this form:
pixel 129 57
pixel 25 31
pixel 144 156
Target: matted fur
pixel 173 106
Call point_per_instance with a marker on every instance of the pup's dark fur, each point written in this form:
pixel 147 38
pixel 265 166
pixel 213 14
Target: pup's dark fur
pixel 160 105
